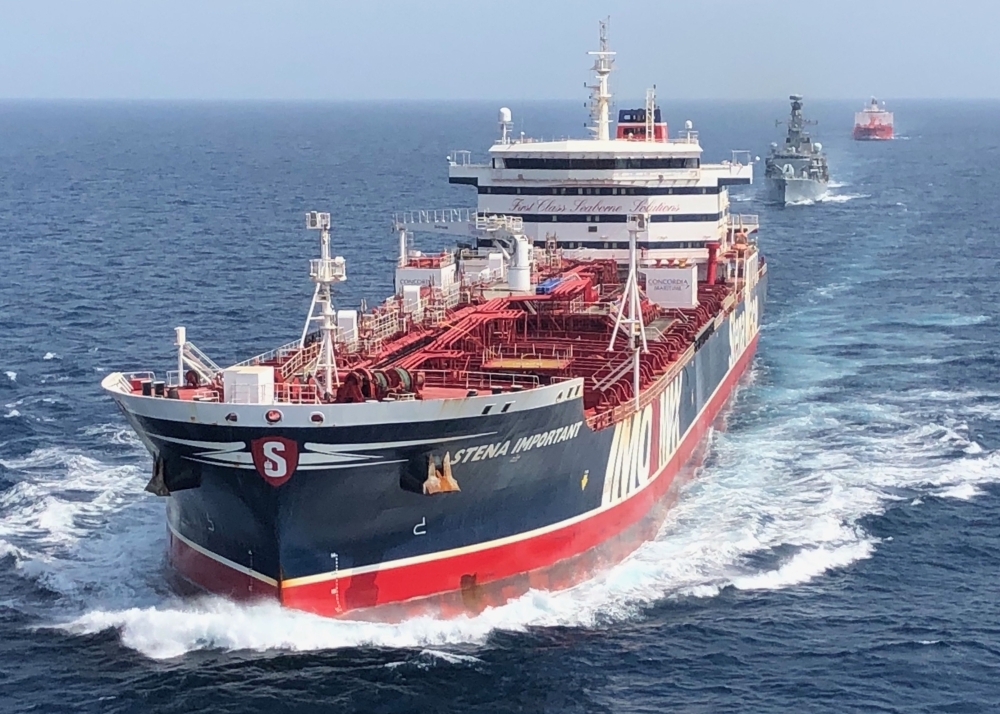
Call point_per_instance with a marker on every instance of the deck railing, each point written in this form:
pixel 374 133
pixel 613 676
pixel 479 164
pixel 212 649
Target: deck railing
pixel 477 380
pixel 494 222
pixel 621 411
pixel 749 222
pixel 269 356
pixel 300 360
pixel 529 350
pixel 126 379
pixel 405 219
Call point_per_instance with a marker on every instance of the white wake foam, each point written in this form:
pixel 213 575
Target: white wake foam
pixel 829 198
pixel 806 565
pixel 80 526
pixel 11 375
pixel 948 320
pixel 962 491
pixel 842 197
pixel 213 623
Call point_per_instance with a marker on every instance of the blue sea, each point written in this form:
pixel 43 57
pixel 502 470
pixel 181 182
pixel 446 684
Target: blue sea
pixel 838 552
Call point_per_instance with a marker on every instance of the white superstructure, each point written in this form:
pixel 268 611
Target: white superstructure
pixel 576 194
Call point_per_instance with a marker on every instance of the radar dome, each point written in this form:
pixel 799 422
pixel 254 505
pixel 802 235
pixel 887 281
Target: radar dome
pixel 819 146
pixel 504 114
pixel 689 124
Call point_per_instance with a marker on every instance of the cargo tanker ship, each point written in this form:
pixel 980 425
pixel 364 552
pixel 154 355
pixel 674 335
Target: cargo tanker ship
pixel 517 415
pixel 873 123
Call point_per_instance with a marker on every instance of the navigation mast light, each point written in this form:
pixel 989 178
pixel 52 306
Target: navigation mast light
pixel 600 97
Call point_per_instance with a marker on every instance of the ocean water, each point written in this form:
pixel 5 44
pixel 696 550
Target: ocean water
pixel 838 552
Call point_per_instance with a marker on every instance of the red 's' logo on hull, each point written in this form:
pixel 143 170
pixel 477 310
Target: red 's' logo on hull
pixel 275 458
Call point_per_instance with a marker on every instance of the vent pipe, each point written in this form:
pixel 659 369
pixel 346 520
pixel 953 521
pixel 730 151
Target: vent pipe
pixel 713 259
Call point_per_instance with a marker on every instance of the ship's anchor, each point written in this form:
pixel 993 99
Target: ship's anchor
pixel 157 485
pixel 440 480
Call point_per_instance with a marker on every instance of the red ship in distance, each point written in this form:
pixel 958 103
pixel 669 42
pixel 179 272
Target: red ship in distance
pixel 873 123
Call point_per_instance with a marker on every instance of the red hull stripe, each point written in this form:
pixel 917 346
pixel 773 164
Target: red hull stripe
pixel 197 556
pixel 397 581
pixel 865 132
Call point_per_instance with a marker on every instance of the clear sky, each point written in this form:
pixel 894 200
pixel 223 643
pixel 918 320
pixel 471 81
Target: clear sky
pixel 506 49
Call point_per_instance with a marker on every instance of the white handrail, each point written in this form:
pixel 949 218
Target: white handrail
pixel 467 380
pixel 402 219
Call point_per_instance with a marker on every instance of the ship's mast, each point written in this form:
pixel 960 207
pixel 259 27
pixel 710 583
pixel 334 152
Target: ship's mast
pixel 324 272
pixel 651 113
pixel 630 302
pixel 600 97
pixel 796 123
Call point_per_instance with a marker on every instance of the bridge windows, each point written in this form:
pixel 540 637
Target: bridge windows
pixel 622 163
pixel 603 190
pixel 617 217
pixel 623 245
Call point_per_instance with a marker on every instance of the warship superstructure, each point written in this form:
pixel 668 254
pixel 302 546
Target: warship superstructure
pixel 796 171
pixel 517 415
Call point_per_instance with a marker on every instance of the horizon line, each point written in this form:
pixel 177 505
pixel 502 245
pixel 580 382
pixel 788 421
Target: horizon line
pixel 430 100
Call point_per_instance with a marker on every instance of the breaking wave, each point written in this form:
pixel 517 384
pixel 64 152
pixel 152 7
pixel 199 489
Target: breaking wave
pixel 81 527
pixel 842 197
pixel 829 198
pixel 947 320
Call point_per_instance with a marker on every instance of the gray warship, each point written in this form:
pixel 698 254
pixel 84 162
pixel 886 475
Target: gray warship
pixel 796 172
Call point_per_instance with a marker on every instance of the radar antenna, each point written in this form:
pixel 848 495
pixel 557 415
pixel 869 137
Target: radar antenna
pixel 630 302
pixel 324 271
pixel 506 125
pixel 600 96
